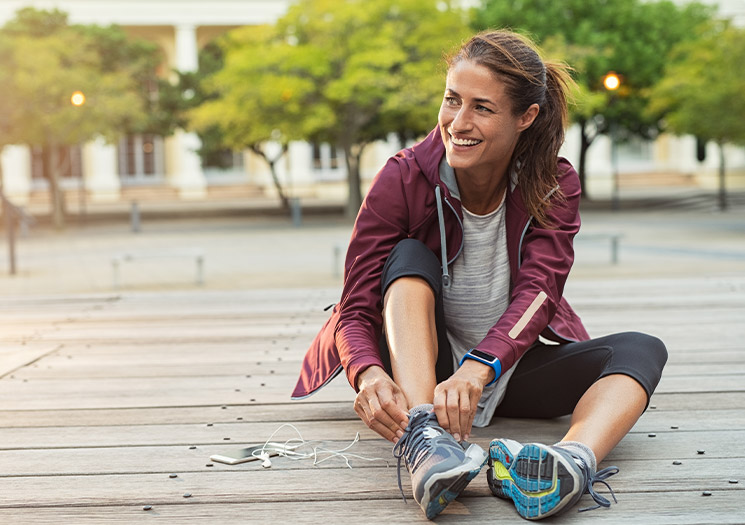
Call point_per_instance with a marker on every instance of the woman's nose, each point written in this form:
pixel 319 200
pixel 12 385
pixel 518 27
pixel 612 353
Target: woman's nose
pixel 460 120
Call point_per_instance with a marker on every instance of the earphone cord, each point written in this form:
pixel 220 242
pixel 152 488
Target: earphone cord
pixel 289 450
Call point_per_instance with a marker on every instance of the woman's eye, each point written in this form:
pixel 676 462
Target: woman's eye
pixel 483 109
pixel 450 101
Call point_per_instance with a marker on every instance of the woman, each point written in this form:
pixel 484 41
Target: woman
pixel 452 309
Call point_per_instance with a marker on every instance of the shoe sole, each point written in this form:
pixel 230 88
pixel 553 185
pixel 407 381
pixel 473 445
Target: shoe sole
pixel 444 487
pixel 539 480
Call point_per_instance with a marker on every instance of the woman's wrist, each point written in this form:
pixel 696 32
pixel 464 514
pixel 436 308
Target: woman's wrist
pixel 484 373
pixel 369 373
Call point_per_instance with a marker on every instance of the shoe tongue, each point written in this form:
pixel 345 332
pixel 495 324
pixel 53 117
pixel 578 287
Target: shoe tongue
pixel 421 408
pixel 431 432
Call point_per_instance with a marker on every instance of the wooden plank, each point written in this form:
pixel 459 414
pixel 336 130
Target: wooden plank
pixel 214 363
pixel 241 485
pixel 662 401
pixel 636 460
pixel 665 508
pixel 15 356
pixel 702 409
pixel 695 384
pixel 284 412
pixel 667 442
pixel 16 394
pixel 158 392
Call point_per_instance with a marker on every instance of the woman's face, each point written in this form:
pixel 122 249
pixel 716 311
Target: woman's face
pixel 476 121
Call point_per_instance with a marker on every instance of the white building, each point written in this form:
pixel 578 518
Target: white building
pixel 169 168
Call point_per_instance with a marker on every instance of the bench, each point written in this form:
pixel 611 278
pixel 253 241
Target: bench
pixel 613 238
pixel 118 260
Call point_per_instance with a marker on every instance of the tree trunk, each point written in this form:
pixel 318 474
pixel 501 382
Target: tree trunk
pixel 585 142
pixel 50 163
pixel 352 155
pixel 277 185
pixel 256 148
pixel 722 185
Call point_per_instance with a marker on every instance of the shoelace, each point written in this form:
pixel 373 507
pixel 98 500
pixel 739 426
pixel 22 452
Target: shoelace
pixel 414 444
pixel 598 477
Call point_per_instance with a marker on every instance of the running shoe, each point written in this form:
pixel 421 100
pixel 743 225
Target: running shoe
pixel 542 480
pixel 440 467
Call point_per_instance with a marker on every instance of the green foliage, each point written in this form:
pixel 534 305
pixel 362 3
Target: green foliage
pixel 702 91
pixel 343 71
pixel 44 61
pixel 630 37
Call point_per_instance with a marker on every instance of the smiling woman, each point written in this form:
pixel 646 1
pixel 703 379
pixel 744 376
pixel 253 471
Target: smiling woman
pixel 456 267
pixel 480 132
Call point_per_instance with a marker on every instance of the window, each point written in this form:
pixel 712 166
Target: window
pixel 325 156
pixel 141 157
pixel 69 162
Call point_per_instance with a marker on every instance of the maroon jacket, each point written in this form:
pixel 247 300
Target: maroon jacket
pixel 401 203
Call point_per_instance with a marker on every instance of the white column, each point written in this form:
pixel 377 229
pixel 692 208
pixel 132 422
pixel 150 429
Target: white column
pixel 185 166
pixel 100 171
pixel 16 162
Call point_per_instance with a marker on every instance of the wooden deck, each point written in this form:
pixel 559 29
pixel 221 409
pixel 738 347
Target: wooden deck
pixel 112 404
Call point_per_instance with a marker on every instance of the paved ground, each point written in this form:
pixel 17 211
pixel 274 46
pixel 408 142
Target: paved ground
pixel 247 251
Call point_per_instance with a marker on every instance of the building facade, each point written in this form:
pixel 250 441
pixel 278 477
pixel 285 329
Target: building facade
pixel 170 168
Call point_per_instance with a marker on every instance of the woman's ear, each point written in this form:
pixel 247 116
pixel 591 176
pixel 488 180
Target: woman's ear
pixel 527 118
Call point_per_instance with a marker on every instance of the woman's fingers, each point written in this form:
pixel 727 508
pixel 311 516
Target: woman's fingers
pixel 455 403
pixel 382 407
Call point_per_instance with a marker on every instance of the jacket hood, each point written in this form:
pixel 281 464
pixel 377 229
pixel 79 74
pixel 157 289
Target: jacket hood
pixel 428 154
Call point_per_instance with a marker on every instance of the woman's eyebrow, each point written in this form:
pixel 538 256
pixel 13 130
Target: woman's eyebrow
pixel 477 100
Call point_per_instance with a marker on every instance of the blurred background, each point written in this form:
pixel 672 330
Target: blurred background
pixel 121 113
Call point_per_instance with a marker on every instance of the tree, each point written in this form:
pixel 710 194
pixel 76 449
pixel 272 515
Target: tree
pixel 702 90
pixel 108 69
pixel 631 37
pixel 348 72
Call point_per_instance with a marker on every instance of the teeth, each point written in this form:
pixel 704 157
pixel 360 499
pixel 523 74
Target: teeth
pixel 464 142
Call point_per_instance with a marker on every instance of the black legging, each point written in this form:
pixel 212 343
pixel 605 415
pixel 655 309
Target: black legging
pixel 550 379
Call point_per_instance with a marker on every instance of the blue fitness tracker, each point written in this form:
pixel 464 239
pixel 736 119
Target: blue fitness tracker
pixel 487 359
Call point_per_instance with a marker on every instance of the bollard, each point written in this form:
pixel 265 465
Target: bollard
pixel 134 217
pixel 297 212
pixel 11 230
pixel 336 270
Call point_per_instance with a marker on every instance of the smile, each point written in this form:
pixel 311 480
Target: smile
pixel 464 142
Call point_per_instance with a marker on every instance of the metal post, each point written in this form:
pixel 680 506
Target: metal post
pixel 615 197
pixel 297 212
pixel 336 270
pixel 10 228
pixel 134 217
pixel 200 270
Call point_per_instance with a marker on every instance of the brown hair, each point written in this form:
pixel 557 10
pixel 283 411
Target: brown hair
pixel 528 80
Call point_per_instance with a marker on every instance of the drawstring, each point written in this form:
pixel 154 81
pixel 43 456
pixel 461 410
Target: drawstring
pixel 443 244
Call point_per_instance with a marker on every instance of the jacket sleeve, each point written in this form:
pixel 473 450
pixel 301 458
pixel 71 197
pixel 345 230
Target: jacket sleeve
pixel 380 225
pixel 546 257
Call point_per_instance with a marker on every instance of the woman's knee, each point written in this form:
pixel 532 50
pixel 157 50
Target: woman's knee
pixel 639 355
pixel 653 348
pixel 411 258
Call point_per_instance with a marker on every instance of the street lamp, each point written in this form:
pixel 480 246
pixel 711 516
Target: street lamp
pixel 77 99
pixel 611 82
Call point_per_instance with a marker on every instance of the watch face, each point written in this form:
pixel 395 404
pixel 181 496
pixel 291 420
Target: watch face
pixel 483 355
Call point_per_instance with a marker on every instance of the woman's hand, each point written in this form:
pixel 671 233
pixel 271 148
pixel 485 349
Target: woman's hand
pixel 456 399
pixel 381 404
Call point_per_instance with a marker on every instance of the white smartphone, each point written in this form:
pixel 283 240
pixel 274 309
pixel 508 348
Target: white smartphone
pixel 243 455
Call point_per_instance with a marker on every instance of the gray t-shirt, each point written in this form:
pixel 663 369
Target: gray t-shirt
pixel 479 294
